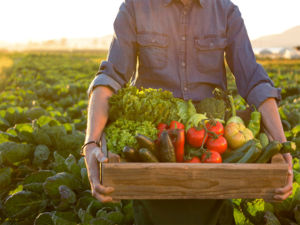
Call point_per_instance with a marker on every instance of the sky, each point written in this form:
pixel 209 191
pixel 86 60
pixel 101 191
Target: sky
pixel 36 20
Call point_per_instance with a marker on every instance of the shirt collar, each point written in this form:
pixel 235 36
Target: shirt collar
pixel 202 2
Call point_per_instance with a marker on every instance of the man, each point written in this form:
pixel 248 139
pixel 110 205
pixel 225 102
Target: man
pixel 180 45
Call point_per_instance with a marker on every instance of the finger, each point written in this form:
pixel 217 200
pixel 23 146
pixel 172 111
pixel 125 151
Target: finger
pixel 284 190
pixel 283 197
pixel 103 190
pixel 99 155
pixel 101 198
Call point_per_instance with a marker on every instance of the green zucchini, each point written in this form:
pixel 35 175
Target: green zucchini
pixel 259 145
pixel 269 151
pixel 145 142
pixel 264 140
pixel 234 158
pixel 131 154
pixel 146 156
pixel 252 154
pixel 244 148
pixel 166 147
pixel 288 147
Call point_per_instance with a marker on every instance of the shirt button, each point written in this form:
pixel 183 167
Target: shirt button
pixel 183 38
pixel 183 64
pixel 184 13
pixel 153 40
pixel 185 89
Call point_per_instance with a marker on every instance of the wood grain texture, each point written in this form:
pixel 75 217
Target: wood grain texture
pixel 193 181
pixel 113 158
pixel 277 159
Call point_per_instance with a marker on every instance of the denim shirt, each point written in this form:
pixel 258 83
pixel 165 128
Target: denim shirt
pixel 181 48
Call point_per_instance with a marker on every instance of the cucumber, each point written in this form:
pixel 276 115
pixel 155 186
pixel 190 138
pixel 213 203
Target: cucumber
pixel 234 158
pixel 252 154
pixel 145 142
pixel 146 156
pixel 244 148
pixel 288 147
pixel 269 151
pixel 166 147
pixel 264 140
pixel 131 154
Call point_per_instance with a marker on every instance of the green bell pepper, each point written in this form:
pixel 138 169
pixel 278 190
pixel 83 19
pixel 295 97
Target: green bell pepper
pixel 254 123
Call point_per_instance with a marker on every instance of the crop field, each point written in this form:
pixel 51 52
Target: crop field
pixel 43 112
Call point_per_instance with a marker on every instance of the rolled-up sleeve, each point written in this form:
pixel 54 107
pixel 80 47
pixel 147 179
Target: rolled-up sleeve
pixel 253 82
pixel 119 68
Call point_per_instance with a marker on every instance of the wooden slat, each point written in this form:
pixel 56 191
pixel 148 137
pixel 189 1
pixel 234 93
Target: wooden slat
pixel 278 159
pixel 193 181
pixel 103 145
pixel 113 158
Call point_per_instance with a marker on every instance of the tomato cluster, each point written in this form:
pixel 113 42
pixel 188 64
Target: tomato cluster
pixel 212 136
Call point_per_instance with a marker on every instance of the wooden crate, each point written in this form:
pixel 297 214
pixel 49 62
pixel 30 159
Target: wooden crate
pixel 192 181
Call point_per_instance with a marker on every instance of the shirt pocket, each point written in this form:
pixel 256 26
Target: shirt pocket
pixel 153 49
pixel 210 54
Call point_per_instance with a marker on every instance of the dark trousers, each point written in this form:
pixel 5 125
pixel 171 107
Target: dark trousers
pixel 165 212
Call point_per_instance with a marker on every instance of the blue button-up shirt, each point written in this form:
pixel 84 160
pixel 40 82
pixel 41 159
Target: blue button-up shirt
pixel 181 48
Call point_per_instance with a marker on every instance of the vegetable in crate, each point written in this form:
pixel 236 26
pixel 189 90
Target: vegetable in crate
pixel 243 149
pixel 178 139
pixel 217 143
pixel 131 154
pixel 288 147
pixel 234 118
pixel 145 142
pixel 130 103
pixel 194 121
pixel 234 158
pixel 211 157
pixel 192 160
pixel 196 136
pixel 264 140
pixel 160 127
pixel 237 135
pixel 215 126
pixel 268 152
pixel 176 125
pixel 252 154
pixel 254 123
pixel 192 151
pixel 166 149
pixel 214 106
pixel 122 133
pixel 147 156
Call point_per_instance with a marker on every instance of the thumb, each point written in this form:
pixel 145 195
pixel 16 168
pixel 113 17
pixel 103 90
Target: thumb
pixel 99 155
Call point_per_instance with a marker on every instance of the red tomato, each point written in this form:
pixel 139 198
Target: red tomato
pixel 215 157
pixel 195 137
pixel 193 160
pixel 219 145
pixel 218 128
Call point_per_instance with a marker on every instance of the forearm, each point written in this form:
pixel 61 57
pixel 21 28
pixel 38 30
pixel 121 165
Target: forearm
pixel 98 112
pixel 271 119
